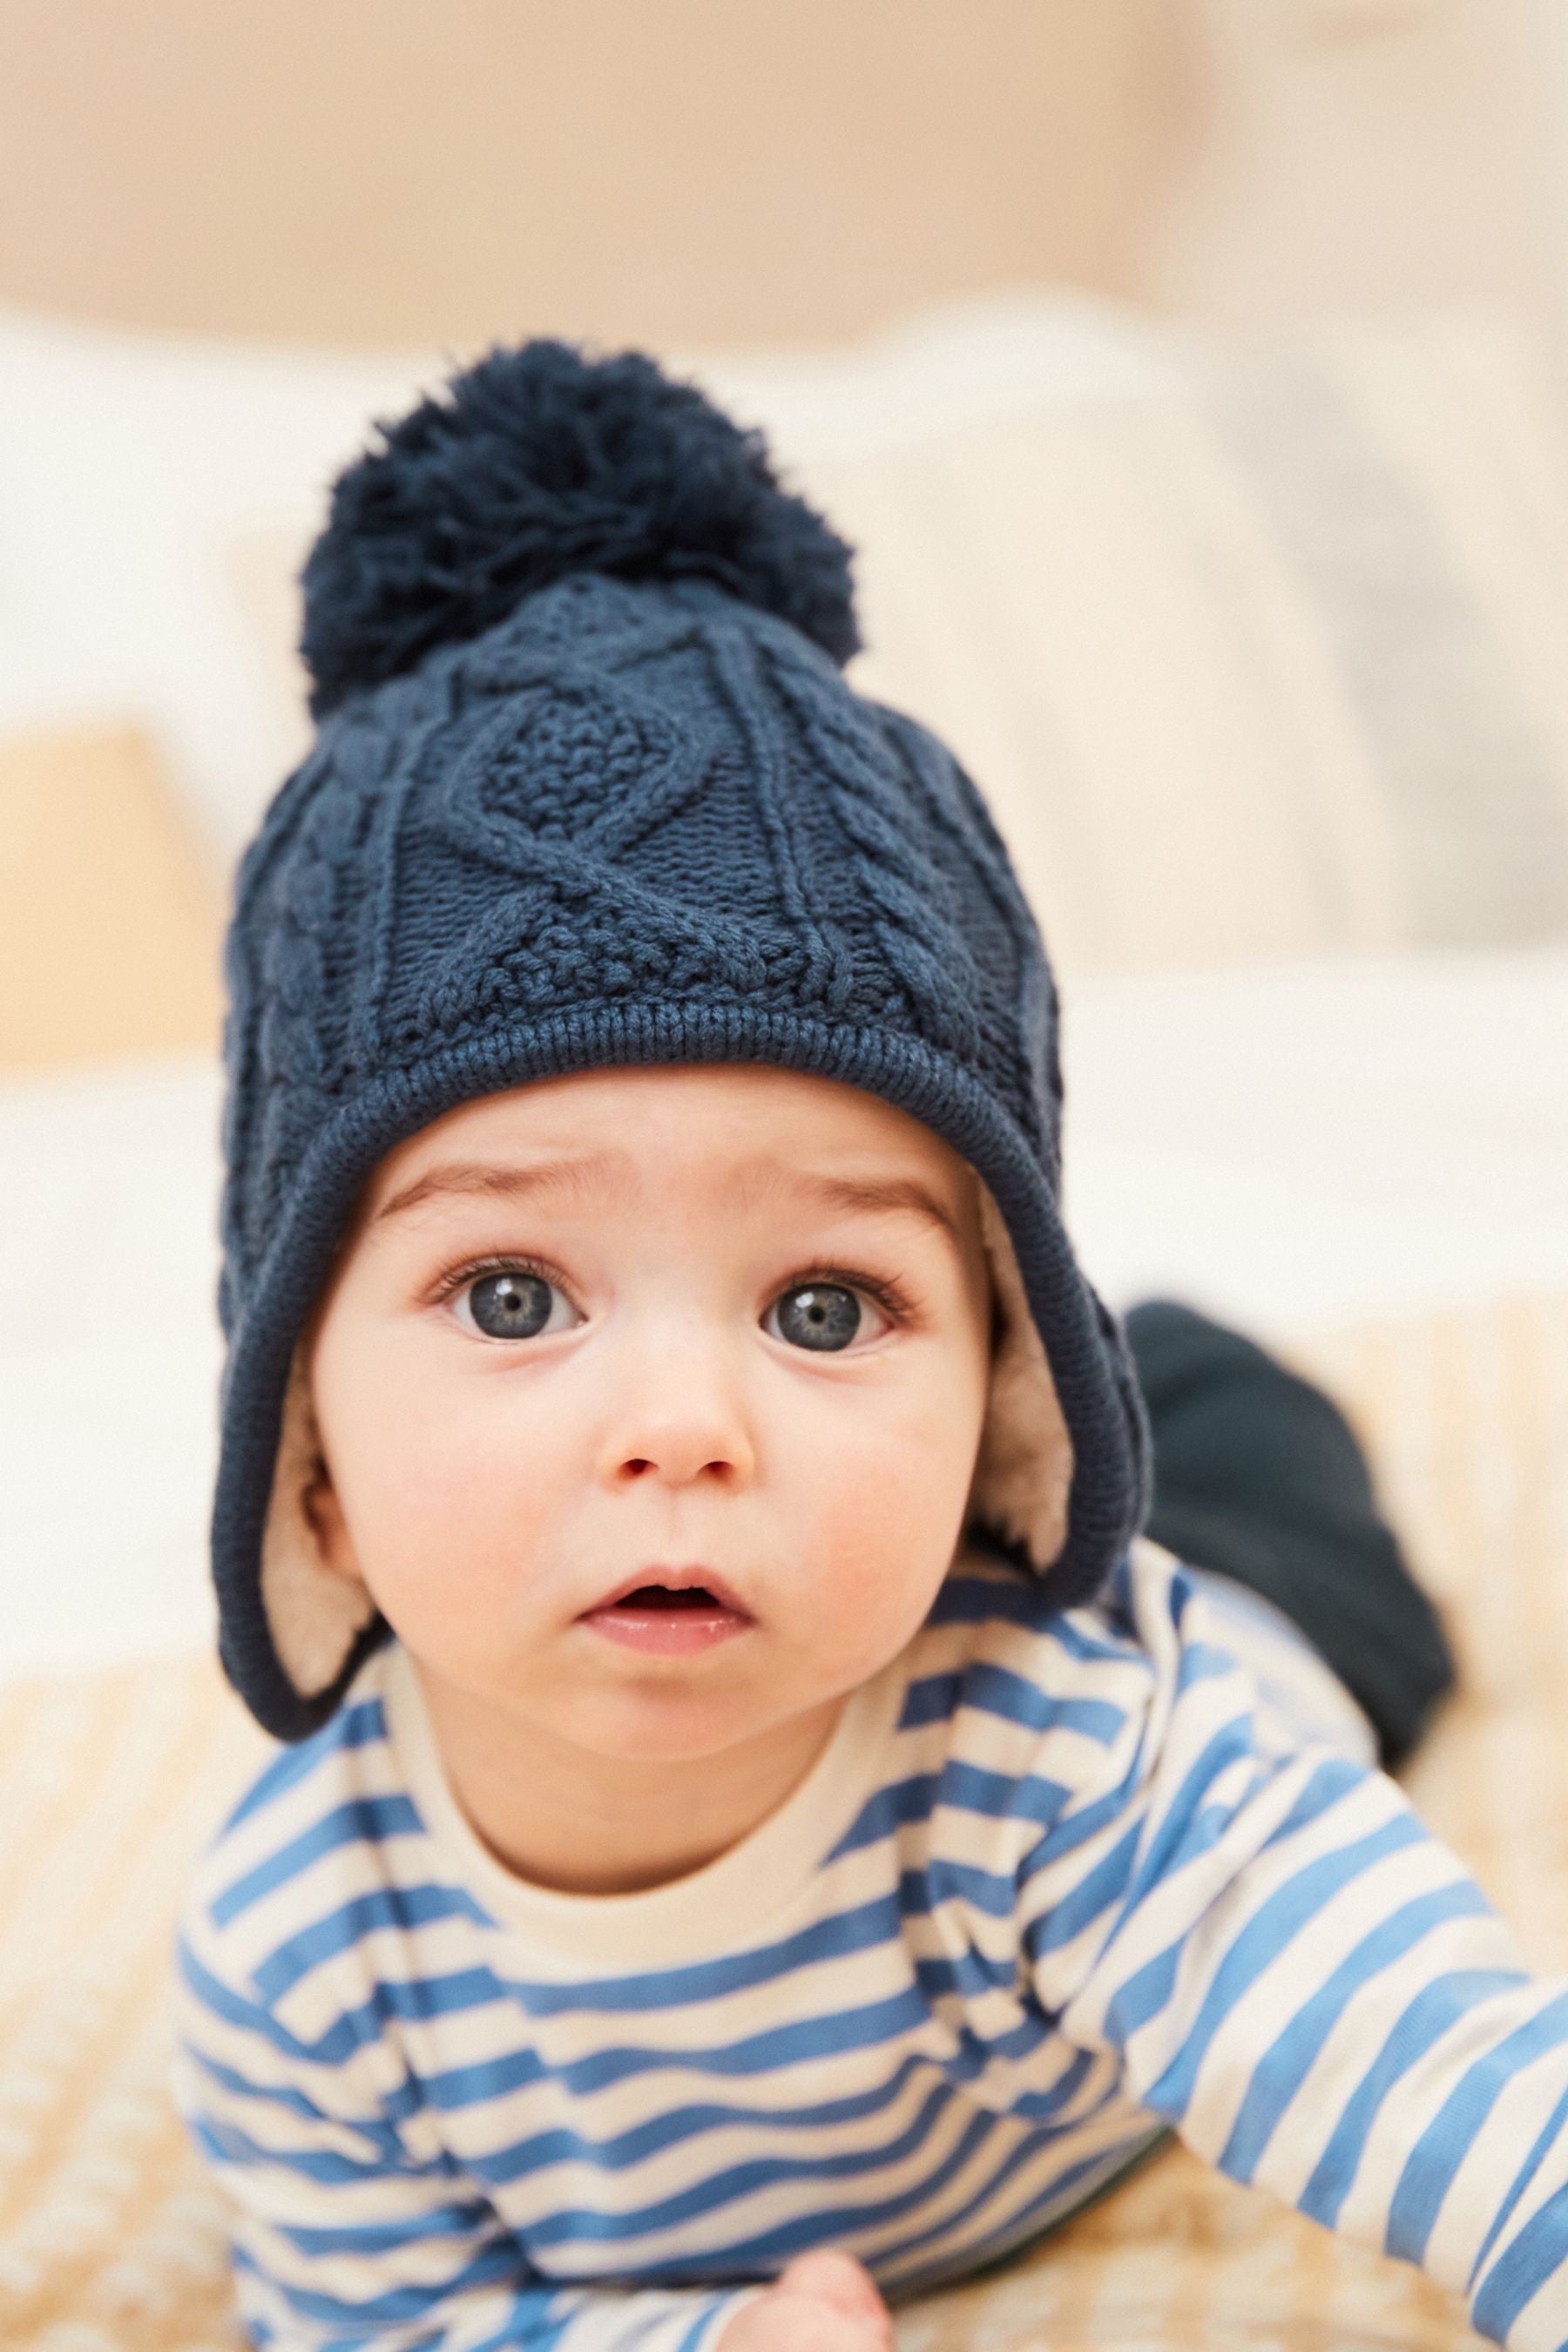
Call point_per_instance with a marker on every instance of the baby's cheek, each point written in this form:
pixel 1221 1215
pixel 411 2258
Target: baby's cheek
pixel 455 1512
pixel 884 1530
pixel 910 1477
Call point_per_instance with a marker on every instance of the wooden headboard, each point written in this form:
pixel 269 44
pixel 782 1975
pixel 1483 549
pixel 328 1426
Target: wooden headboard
pixel 686 173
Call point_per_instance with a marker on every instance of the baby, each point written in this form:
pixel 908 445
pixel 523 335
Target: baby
pixel 761 1828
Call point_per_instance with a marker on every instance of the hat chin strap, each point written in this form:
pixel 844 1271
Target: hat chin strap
pixel 1023 1474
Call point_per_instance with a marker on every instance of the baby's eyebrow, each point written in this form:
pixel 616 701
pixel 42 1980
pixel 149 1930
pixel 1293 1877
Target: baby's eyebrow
pixel 507 1180
pixel 862 1196
pixel 874 1196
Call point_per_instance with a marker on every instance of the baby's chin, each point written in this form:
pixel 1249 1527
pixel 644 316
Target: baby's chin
pixel 765 1689
pixel 674 1720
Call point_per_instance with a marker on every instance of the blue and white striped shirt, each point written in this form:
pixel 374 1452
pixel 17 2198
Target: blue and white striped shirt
pixel 1058 1882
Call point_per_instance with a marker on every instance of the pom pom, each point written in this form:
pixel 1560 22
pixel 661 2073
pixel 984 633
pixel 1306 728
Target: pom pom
pixel 536 462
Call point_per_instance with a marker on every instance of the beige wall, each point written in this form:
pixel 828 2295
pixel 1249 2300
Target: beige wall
pixel 1364 154
pixel 697 172
pixel 687 171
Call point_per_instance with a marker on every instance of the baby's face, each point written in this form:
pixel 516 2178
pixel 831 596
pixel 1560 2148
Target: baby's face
pixel 731 1322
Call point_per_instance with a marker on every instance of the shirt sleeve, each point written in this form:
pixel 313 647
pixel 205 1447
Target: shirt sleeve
pixel 339 2239
pixel 1307 1985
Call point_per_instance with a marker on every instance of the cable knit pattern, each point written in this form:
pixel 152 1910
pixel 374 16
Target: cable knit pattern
pixel 634 820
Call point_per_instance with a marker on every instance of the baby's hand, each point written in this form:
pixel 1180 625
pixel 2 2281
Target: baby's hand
pixel 822 2302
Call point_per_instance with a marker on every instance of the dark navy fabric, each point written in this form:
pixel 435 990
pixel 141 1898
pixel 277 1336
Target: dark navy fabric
pixel 1259 1474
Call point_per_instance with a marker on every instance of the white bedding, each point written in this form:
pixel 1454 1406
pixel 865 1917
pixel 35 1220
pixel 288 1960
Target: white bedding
pixel 1291 1147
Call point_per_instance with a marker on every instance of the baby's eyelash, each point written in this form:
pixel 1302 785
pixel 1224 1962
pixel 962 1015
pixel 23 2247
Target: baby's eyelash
pixel 888 1293
pixel 451 1284
pixel 885 1289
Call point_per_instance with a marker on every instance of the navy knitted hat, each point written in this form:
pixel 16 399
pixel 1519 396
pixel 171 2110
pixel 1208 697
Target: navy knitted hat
pixel 588 787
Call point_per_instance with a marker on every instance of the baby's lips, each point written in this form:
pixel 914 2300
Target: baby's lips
pixel 674 1580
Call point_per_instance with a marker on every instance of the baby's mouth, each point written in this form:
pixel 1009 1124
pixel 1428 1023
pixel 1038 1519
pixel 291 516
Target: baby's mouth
pixel 696 1589
pixel 659 1596
pixel 672 1618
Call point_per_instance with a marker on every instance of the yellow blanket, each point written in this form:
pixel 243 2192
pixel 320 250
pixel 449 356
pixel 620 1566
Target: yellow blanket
pixel 112 2240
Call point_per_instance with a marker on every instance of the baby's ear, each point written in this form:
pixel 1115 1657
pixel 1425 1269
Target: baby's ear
pixel 315 1599
pixel 324 1516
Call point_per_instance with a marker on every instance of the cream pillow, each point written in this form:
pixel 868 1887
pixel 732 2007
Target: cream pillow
pixel 1258 658
pixel 109 909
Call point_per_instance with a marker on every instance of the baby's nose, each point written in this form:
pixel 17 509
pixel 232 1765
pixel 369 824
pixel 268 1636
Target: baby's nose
pixel 691 1420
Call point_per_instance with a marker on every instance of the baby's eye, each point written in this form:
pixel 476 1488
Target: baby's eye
pixel 822 1315
pixel 511 1303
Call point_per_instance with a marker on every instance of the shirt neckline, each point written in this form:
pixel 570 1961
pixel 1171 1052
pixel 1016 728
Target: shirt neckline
pixel 750 1882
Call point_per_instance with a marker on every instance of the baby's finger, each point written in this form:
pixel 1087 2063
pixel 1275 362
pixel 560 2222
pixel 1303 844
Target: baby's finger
pixel 835 2278
pixel 805 2323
